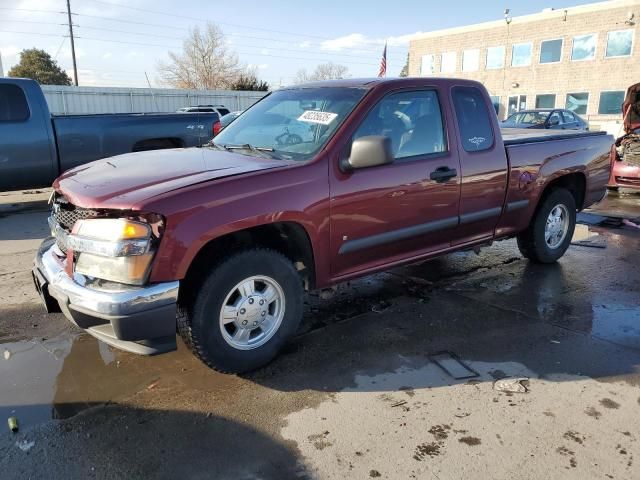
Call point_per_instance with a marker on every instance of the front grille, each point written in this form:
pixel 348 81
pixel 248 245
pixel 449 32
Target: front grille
pixel 66 215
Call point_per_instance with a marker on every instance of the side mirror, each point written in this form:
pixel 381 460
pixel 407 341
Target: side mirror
pixel 370 151
pixel 554 121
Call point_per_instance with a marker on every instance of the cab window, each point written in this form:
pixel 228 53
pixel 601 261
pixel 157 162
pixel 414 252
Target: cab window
pixel 412 120
pixel 474 122
pixel 13 104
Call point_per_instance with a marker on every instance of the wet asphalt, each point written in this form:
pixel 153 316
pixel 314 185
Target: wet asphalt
pixel 390 376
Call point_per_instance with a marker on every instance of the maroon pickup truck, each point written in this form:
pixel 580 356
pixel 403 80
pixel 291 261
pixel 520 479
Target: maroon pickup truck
pixel 313 185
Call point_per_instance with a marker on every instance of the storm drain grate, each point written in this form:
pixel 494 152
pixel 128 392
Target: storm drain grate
pixel 452 365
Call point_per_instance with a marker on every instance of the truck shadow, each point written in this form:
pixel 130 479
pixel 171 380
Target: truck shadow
pixel 119 441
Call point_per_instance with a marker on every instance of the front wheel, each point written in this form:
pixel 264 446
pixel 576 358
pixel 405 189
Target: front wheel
pixel 246 309
pixel 551 229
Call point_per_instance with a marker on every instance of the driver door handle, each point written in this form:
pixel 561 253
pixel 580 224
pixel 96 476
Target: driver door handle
pixel 442 174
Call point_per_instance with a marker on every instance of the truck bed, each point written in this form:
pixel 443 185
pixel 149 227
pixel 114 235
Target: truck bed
pixel 519 136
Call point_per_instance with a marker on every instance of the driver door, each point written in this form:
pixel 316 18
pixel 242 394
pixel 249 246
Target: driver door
pixel 393 212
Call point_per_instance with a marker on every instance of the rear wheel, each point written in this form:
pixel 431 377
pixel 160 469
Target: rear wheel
pixel 551 229
pixel 244 312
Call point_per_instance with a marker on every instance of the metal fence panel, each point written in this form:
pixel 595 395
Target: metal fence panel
pixel 64 100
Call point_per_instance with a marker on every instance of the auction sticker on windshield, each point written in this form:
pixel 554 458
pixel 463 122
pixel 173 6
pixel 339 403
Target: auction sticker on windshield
pixel 313 116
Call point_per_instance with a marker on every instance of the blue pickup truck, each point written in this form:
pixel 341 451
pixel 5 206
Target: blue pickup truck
pixel 36 147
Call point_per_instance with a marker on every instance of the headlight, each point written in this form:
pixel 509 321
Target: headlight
pixel 130 270
pixel 110 237
pixel 117 250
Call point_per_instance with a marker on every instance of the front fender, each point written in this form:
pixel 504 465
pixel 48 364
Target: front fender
pixel 200 214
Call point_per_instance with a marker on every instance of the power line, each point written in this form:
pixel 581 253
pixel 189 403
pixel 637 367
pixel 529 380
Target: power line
pixel 232 45
pixel 31 33
pixel 226 34
pixel 240 52
pixel 174 15
pixel 33 10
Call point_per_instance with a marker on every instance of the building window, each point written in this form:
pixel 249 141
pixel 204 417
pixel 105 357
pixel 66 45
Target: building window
pixel 611 103
pixel 448 62
pixel 521 54
pixel 619 43
pixel 546 101
pixel 495 100
pixel 495 58
pixel 551 51
pixel 584 47
pixel 577 102
pixel 470 60
pixel 428 66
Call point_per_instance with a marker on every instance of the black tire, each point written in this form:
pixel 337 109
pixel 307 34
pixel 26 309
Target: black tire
pixel 532 243
pixel 199 324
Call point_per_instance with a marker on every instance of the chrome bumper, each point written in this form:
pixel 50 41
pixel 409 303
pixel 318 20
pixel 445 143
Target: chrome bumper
pixel 137 319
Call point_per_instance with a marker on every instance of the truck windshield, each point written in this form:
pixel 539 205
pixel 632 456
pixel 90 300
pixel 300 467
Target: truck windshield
pixel 291 124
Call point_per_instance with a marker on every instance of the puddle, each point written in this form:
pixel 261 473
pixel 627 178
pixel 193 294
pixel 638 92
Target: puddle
pixel 618 323
pixel 59 377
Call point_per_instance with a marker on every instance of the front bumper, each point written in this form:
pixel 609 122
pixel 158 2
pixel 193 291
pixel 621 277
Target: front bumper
pixel 136 319
pixel 624 175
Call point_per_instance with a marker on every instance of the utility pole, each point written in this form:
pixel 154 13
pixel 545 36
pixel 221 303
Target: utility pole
pixel 73 47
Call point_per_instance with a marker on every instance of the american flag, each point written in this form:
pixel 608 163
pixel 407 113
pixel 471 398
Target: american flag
pixel 383 63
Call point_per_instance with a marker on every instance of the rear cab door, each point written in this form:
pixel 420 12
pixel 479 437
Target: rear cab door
pixel 386 214
pixel 483 162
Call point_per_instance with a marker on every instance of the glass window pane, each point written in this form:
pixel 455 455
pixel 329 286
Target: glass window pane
pixel 577 102
pixel 611 103
pixel 448 62
pixel 550 51
pixel 521 54
pixel 545 101
pixel 474 121
pixel 556 119
pixel 13 104
pixel 412 120
pixel 584 47
pixel 513 105
pixel 495 100
pixel 619 43
pixel 495 58
pixel 470 60
pixel 428 66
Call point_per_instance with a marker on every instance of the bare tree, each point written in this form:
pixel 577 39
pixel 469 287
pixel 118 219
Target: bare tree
pixel 324 71
pixel 204 63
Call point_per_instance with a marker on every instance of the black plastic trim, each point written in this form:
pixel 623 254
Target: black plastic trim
pixel 517 205
pixel 480 215
pixel 397 235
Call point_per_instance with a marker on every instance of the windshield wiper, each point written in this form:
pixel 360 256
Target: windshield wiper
pixel 212 144
pixel 248 146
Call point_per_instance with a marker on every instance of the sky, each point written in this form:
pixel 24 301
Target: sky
pixel 117 41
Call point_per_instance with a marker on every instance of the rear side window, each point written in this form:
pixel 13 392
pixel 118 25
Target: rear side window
pixel 223 111
pixel 13 104
pixel 474 122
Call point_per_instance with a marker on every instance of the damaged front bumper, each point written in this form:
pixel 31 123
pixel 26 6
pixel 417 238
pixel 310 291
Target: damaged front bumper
pixel 140 320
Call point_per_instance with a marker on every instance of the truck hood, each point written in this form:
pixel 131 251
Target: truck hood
pixel 631 109
pixel 124 181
